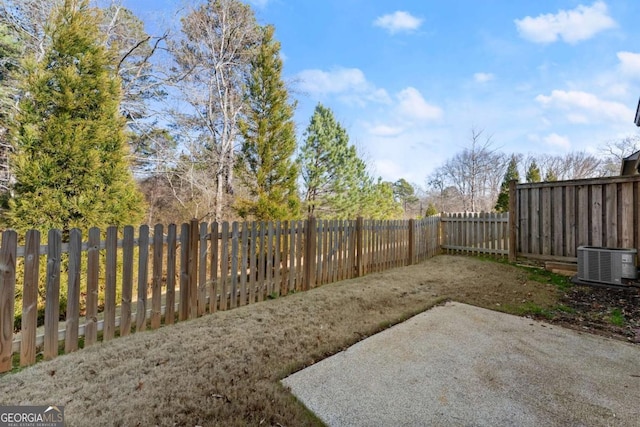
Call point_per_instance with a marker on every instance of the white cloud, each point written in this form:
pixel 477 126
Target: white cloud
pixel 385 130
pixel 556 140
pixel 349 83
pixel 629 63
pixel 389 169
pixel 583 107
pixel 483 77
pixel 571 26
pixel 398 21
pixel 413 106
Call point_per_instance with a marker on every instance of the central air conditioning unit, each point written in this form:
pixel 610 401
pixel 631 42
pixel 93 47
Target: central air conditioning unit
pixel 606 265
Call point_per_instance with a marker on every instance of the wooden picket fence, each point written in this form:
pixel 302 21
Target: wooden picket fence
pixel 133 281
pixel 475 233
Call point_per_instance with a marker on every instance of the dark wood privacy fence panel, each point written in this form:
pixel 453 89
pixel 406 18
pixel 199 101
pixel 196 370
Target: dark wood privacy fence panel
pixel 553 219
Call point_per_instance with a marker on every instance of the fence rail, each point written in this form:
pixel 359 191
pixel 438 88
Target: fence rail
pixel 120 281
pixel 475 233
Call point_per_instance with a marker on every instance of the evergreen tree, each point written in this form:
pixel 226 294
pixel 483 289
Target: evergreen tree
pixel 380 202
pixel 431 210
pixel 502 205
pixel 269 142
pixel 335 178
pixel 10 48
pixel 404 193
pixel 550 176
pixel 70 162
pixel 533 173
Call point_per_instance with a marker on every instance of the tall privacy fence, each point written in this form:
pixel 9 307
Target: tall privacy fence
pixel 58 296
pixel 550 220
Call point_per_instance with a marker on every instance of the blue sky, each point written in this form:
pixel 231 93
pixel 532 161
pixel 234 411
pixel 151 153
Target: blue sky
pixel 409 79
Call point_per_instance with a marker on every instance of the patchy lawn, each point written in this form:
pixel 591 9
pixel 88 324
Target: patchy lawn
pixel 224 369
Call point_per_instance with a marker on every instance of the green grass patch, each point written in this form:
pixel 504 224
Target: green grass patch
pixel 528 308
pixel 539 275
pixel 566 309
pixel 617 317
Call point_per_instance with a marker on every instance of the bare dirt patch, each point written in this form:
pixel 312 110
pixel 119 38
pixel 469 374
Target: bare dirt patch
pixel 224 369
pixel 612 312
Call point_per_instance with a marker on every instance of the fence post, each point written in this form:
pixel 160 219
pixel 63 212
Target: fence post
pixel 7 296
pixel 359 246
pixel 412 241
pixel 513 215
pixel 310 254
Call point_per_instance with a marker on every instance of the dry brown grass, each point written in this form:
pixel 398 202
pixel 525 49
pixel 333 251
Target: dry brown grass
pixel 224 369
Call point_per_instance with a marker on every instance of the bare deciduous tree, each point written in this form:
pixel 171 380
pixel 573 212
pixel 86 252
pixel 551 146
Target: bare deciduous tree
pixel 614 151
pixel 211 64
pixel 475 173
pixel 572 165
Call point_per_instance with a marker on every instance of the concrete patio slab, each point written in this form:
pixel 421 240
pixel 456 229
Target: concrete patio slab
pixel 459 365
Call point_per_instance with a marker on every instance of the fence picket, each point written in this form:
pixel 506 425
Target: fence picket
pixel 253 262
pixel 30 298
pixel 277 267
pixel 261 260
pixel 244 255
pixel 233 298
pixel 193 257
pixel 170 298
pixel 292 256
pixel 127 279
pixel 93 271
pixel 110 284
pixel 7 298
pixel 73 291
pixel 213 275
pixel 143 275
pixel 156 281
pixel 284 286
pixel 299 252
pixel 52 306
pixel 203 249
pixel 269 260
pixel 224 265
pixel 183 312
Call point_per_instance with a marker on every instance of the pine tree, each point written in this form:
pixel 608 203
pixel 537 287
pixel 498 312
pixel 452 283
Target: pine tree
pixel 269 141
pixel 70 162
pixel 533 173
pixel 502 205
pixel 550 176
pixel 404 193
pixel 380 202
pixel 10 48
pixel 431 210
pixel 335 178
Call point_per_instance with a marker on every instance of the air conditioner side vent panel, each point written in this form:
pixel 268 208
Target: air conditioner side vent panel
pixel 606 265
